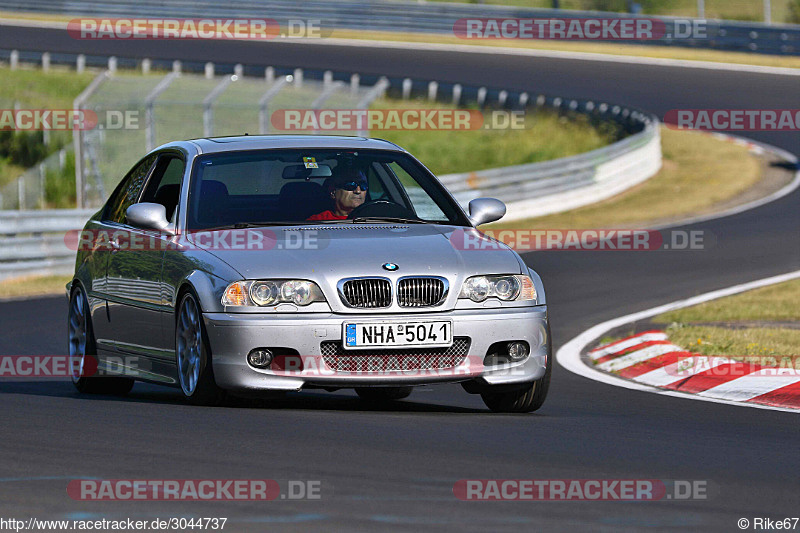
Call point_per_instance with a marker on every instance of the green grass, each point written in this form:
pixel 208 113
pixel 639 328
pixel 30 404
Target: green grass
pixel 776 302
pixel 33 286
pixel 746 327
pixel 750 328
pixel 699 171
pixel 736 343
pixel 34 89
pixel 546 136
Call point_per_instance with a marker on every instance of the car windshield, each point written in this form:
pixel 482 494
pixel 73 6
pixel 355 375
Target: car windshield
pixel 327 186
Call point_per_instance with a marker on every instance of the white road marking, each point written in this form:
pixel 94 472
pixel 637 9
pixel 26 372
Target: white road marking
pixel 569 355
pixel 750 386
pixel 630 359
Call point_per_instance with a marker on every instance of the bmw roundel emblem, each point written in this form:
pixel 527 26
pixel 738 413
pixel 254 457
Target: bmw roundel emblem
pixel 391 267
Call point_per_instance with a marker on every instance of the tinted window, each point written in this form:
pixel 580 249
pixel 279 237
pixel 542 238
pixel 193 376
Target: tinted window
pixel 273 186
pixel 127 192
pixel 164 185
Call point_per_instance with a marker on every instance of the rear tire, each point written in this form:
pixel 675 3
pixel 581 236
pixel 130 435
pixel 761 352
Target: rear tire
pixel 524 399
pixel 83 351
pixel 193 355
pixel 383 394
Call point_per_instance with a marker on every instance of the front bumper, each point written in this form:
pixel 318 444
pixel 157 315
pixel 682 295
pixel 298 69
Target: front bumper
pixel 233 336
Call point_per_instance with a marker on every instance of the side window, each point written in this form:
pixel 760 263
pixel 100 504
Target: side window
pixel 164 185
pixel 423 204
pixel 127 192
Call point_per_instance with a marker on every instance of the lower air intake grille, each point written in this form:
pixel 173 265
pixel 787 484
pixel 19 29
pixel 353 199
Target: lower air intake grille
pixel 389 360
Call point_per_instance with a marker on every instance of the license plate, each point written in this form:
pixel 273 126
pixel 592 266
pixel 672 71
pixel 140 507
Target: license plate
pixel 397 334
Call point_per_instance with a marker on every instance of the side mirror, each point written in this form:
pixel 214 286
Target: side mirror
pixel 485 210
pixel 147 216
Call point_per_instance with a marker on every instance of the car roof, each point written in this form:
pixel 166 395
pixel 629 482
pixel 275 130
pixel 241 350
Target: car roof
pixel 265 142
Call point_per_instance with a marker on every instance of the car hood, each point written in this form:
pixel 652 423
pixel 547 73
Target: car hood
pixel 328 253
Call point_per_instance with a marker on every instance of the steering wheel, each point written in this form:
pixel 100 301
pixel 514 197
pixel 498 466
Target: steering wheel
pixel 382 208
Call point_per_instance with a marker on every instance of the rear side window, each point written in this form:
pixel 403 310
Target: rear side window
pixel 127 192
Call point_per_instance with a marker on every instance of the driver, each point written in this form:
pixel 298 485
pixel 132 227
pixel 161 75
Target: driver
pixel 348 189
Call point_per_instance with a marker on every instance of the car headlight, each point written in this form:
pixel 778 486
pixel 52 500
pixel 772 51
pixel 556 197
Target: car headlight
pixel 269 292
pixel 506 288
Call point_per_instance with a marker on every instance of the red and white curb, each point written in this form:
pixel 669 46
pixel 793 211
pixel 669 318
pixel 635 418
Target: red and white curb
pixel 650 358
pixel 642 362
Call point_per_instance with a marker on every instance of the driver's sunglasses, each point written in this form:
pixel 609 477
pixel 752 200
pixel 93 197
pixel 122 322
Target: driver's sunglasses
pixel 353 185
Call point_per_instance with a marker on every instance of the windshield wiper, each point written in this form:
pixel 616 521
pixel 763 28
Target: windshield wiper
pixel 245 225
pixel 390 219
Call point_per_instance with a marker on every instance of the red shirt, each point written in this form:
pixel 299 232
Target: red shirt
pixel 326 215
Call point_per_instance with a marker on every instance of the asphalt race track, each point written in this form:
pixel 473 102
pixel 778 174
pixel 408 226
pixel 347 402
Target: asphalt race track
pixel 395 469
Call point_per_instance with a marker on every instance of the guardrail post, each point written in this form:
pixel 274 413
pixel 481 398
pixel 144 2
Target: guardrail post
pixel 502 97
pixel 481 96
pixel 263 103
pixel 176 66
pixel 80 63
pixel 298 78
pixel 146 66
pixel 21 194
pixel 209 71
pixel 46 62
pixel 456 94
pixel 13 59
pixel 238 70
pixel 523 99
pixel 112 65
pixel 407 88
pixel 77 139
pixel 355 83
pixel 269 75
pixel 327 78
pixel 42 177
pixel 433 88
pixel 208 102
pixel 150 112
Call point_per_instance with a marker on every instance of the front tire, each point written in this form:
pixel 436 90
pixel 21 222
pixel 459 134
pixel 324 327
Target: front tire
pixel 83 351
pixel 193 356
pixel 383 394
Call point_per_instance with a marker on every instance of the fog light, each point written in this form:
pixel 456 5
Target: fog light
pixel 517 351
pixel 260 358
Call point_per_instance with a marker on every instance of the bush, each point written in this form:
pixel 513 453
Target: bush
pixel 794 12
pixel 59 185
pixel 22 148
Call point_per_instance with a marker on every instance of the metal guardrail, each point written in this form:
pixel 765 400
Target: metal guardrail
pixel 553 186
pixel 29 240
pixel 33 242
pixel 432 17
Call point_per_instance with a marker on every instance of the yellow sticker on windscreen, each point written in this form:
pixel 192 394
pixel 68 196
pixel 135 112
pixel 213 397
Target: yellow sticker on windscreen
pixel 310 162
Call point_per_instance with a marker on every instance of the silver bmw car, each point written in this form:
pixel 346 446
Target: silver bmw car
pixel 255 265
